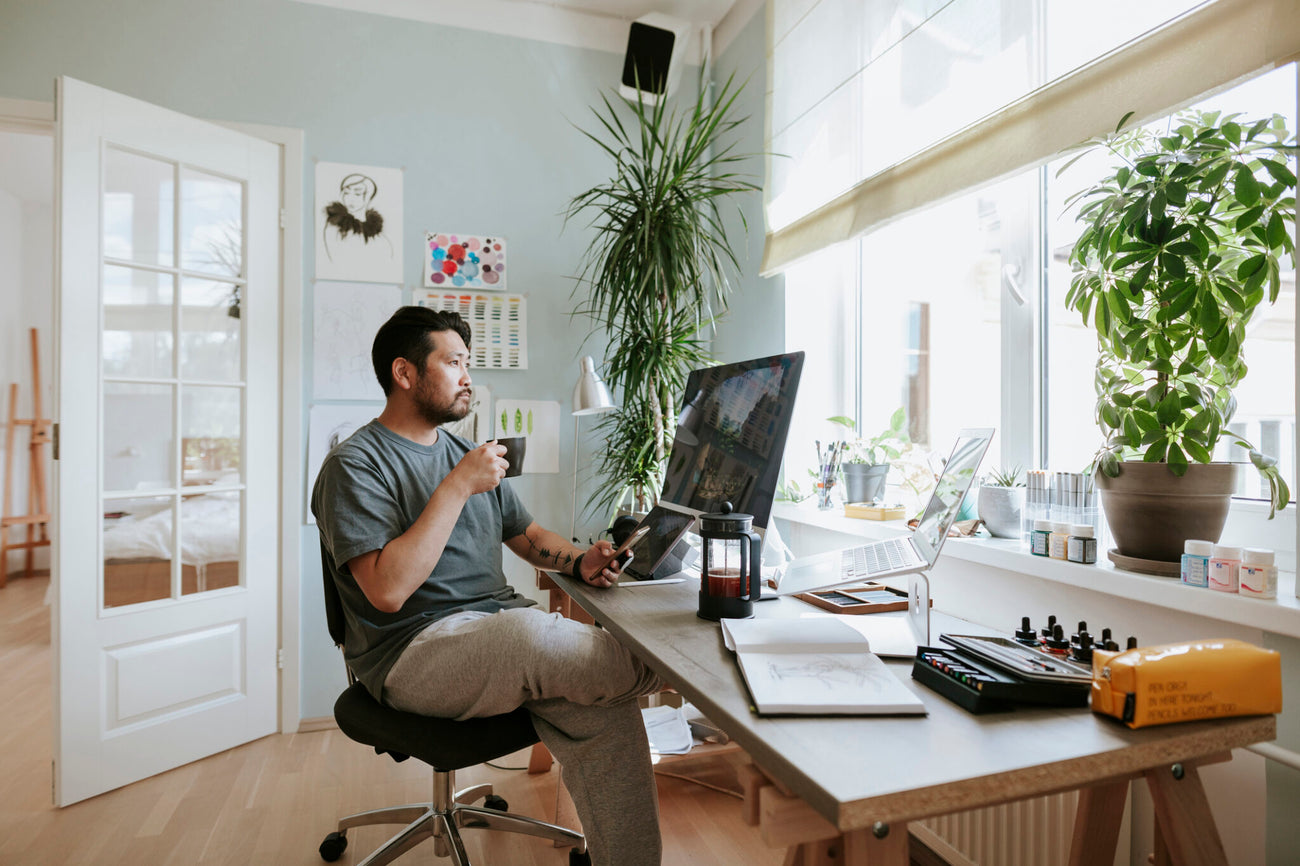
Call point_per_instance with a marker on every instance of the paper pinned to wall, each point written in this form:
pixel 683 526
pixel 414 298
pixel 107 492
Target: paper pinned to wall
pixel 498 325
pixel 358 223
pixel 539 420
pixel 328 426
pixel 347 316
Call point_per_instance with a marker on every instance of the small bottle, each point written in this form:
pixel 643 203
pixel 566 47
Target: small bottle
pixel 1056 541
pixel 1081 546
pixel 1225 564
pixel 1258 573
pixel 1196 562
pixel 1039 538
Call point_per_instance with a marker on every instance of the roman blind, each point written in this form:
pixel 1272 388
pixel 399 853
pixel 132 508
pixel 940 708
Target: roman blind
pixel 878 109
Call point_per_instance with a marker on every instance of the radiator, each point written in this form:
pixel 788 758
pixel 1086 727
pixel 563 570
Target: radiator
pixel 1026 833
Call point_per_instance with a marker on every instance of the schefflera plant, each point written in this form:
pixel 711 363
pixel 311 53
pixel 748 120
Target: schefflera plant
pixel 1183 240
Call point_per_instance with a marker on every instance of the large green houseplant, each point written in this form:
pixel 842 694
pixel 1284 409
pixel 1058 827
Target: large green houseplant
pixel 657 271
pixel 1182 241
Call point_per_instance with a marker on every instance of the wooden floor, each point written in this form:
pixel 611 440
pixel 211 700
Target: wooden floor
pixel 272 801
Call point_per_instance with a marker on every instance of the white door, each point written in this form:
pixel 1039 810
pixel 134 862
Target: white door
pixel 166 484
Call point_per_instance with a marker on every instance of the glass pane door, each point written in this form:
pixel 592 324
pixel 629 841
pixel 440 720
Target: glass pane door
pixel 171 379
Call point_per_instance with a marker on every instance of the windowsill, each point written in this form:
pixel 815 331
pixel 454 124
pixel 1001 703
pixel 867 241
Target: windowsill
pixel 1280 615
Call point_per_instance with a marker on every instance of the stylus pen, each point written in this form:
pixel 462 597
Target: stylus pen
pixel 661 582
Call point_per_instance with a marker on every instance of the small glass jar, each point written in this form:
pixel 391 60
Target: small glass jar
pixel 1258 574
pixel 1225 565
pixel 1040 538
pixel 1196 562
pixel 1081 546
pixel 1056 542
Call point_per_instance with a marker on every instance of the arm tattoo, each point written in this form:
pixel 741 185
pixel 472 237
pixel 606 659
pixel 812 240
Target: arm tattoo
pixel 560 559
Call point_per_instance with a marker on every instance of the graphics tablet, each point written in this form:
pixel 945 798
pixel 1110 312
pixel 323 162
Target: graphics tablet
pixel 666 528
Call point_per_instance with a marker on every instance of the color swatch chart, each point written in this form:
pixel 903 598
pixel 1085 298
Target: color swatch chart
pixel 497 323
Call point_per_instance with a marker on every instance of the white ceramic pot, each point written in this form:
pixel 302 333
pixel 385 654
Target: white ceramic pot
pixel 999 508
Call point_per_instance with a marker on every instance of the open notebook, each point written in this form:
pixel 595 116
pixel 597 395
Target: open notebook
pixel 813 666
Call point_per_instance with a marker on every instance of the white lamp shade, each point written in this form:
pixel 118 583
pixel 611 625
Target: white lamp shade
pixel 590 396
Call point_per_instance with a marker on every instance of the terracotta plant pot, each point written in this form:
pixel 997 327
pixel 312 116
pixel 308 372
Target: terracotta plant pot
pixel 1151 511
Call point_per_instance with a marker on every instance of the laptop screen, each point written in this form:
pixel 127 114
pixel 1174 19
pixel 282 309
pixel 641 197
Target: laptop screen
pixel 945 502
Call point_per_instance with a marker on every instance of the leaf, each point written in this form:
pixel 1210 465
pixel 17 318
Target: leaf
pixel 1197 451
pixel 1177 459
pixel 1209 316
pixel 1276 231
pixel 1280 172
pixel 1245 187
pixel 1232 132
pixel 843 421
pixel 530 422
pixel 1169 410
pixel 1250 266
pixel 1249 217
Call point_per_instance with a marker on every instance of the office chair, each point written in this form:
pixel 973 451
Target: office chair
pixel 446 746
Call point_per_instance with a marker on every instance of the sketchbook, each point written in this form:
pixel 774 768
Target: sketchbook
pixel 814 666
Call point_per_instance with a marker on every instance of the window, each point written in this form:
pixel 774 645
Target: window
pixel 961 320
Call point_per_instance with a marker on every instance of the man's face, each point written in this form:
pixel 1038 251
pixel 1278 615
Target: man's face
pixel 441 392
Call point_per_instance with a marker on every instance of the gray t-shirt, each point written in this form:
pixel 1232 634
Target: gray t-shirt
pixel 371 488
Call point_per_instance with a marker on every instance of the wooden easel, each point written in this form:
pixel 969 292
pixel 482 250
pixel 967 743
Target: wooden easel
pixel 37 516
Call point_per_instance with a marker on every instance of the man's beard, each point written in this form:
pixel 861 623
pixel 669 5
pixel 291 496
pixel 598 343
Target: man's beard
pixel 436 414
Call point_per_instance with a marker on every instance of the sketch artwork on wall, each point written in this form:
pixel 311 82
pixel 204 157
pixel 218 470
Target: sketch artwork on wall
pixel 358 223
pixel 327 427
pixel 539 420
pixel 347 317
pixel 477 425
pixel 497 325
pixel 458 261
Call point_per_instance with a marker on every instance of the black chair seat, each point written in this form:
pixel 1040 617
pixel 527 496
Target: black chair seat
pixel 444 744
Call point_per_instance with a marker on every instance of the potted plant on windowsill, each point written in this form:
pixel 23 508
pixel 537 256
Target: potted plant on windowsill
pixel 1001 501
pixel 657 271
pixel 866 461
pixel 1182 242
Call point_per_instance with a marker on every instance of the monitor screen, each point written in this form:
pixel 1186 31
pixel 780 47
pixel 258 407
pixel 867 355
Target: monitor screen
pixel 731 436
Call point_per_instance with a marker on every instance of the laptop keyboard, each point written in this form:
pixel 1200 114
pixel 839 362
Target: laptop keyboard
pixel 886 555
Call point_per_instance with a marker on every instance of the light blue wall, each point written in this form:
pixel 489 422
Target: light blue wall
pixel 481 124
pixel 755 325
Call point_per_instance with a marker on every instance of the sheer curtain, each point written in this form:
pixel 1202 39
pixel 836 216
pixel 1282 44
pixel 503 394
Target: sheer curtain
pixel 878 109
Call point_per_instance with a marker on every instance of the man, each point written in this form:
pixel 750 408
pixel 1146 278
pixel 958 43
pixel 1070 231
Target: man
pixel 412 519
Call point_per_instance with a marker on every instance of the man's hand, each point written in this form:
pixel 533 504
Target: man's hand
pixel 598 567
pixel 482 469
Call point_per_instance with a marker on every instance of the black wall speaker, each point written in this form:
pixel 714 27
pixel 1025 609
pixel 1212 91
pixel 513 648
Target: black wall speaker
pixel 655 45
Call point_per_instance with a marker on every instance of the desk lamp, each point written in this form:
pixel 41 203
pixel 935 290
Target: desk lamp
pixel 590 397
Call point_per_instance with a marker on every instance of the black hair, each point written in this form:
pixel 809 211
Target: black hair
pixel 406 335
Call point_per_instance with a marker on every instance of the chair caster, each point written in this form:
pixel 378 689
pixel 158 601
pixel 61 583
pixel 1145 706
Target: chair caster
pixel 579 858
pixel 492 801
pixel 333 847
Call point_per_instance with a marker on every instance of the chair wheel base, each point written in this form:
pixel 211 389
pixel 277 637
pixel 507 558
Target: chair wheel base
pixel 333 846
pixel 579 858
pixel 492 801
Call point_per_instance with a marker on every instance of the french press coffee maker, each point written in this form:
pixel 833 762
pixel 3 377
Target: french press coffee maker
pixel 730 571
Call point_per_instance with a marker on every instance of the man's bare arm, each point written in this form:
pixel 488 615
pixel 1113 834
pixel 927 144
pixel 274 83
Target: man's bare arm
pixel 389 576
pixel 545 549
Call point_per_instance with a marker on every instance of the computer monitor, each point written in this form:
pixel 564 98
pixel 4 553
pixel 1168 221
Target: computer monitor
pixel 731 435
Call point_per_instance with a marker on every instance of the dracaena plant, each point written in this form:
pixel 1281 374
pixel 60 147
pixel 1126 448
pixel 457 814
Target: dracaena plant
pixel 658 269
pixel 1183 239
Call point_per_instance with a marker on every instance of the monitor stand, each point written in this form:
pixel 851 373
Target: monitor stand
pixel 918 606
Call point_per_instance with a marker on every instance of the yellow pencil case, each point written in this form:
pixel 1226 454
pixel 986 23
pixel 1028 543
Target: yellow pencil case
pixel 1186 682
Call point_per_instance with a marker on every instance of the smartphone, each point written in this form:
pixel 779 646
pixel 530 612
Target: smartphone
pixel 623 554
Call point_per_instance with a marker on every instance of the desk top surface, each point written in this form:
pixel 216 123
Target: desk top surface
pixel 855 770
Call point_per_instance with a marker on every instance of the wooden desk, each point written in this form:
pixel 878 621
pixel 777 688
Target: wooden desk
pixel 845 787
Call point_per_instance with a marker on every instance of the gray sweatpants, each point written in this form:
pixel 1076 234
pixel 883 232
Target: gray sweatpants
pixel 579 683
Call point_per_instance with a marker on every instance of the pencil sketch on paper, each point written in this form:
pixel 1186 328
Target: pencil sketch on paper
pixel 359 223
pixel 346 318
pixel 327 427
pixel 828 671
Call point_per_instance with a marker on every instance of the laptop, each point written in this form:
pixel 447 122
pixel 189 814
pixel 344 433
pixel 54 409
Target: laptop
pixel 904 554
